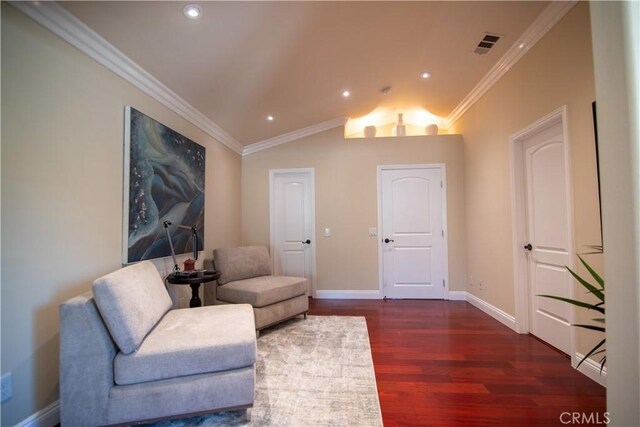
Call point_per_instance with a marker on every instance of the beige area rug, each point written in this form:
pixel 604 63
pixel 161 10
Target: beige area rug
pixel 313 372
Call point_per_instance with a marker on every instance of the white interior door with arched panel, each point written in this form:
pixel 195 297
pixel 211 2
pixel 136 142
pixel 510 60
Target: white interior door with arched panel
pixel 413 239
pixel 292 223
pixel 543 237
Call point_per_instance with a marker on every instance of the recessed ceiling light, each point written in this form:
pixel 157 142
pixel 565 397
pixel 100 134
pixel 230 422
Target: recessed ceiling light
pixel 270 118
pixel 192 11
pixel 425 74
pixel 346 94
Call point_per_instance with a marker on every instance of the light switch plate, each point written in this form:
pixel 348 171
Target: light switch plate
pixel 327 232
pixel 373 231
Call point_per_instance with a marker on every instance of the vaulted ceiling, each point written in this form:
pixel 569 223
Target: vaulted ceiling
pixel 243 61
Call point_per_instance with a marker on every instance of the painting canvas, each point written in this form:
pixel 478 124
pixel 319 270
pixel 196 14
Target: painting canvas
pixel 164 175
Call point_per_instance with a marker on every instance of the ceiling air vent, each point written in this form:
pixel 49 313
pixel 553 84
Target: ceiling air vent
pixel 487 42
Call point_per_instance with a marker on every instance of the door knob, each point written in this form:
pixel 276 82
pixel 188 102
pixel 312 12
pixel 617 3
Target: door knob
pixel 306 242
pixel 388 240
pixel 528 246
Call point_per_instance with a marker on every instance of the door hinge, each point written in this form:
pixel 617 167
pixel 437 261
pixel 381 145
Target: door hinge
pixel 442 233
pixel 441 185
pixel 443 283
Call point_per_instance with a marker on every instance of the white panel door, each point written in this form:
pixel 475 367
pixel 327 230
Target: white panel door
pixel 412 233
pixel 548 235
pixel 292 224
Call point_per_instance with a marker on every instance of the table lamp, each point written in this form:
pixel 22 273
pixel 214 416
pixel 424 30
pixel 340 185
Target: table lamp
pixel 176 269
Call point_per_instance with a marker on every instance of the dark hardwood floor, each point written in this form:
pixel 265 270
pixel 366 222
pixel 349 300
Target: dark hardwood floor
pixel 446 363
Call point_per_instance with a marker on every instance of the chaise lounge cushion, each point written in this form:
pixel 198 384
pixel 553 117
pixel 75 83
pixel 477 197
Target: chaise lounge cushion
pixel 131 301
pixel 262 291
pixel 192 341
pixel 241 263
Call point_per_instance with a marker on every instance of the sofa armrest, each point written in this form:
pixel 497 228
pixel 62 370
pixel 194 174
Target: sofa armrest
pixel 86 363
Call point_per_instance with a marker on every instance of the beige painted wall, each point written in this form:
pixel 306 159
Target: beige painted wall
pixel 62 177
pixel 555 72
pixel 346 199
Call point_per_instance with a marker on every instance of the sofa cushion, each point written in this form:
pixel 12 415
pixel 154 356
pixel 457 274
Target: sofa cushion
pixel 131 301
pixel 192 341
pixel 241 262
pixel 262 291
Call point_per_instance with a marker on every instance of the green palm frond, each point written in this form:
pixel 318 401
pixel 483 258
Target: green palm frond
pixel 591 327
pixel 591 288
pixel 593 350
pixel 576 302
pixel 591 271
pixel 598 292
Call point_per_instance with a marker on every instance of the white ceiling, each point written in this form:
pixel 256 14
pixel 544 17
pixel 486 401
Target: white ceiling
pixel 245 60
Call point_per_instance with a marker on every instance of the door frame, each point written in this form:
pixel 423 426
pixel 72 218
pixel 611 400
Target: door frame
pixel 522 287
pixel 443 174
pixel 273 173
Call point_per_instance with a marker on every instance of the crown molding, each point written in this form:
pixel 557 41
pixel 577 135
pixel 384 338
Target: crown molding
pixel 549 17
pixel 58 20
pixel 62 23
pixel 293 135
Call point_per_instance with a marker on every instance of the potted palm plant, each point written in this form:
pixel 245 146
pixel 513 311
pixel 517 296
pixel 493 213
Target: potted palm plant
pixel 597 290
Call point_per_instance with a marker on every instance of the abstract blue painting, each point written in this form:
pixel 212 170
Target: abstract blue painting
pixel 164 175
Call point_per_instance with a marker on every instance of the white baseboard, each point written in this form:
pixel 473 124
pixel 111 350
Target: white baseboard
pixel 493 311
pixel 47 417
pixel 457 296
pixel 339 294
pixel 591 369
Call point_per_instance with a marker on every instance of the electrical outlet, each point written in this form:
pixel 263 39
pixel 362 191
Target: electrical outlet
pixel 480 285
pixel 6 388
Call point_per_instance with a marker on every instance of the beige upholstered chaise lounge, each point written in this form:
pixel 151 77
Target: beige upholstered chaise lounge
pixel 126 356
pixel 245 277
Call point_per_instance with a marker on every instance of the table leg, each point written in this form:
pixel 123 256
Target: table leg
pixel 195 296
